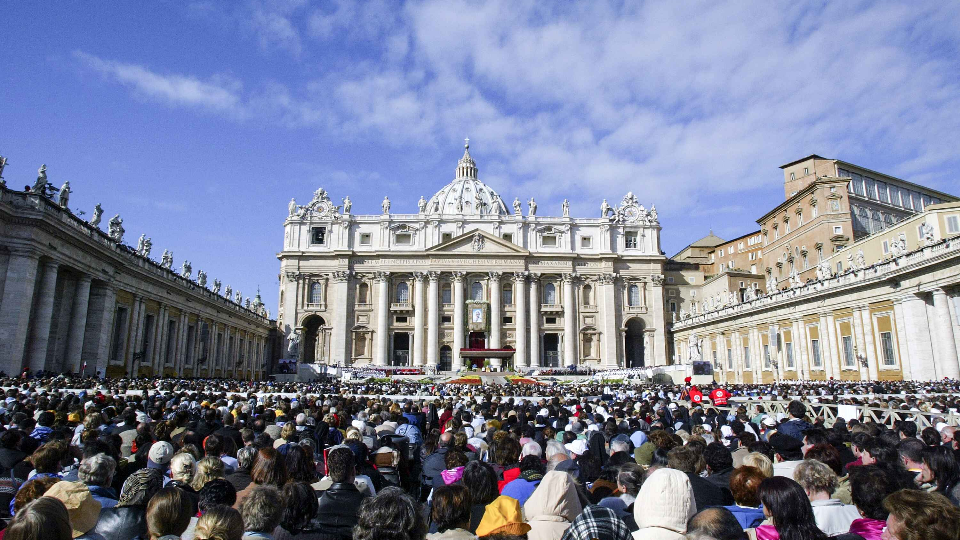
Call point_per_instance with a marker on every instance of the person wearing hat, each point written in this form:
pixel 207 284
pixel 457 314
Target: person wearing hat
pixel 83 509
pixel 502 517
pixel 159 456
pixel 788 454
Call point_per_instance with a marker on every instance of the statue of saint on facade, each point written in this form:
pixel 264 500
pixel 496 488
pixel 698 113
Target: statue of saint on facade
pixel 186 269
pixel 533 207
pixel 422 204
pixel 292 207
pixel 40 186
pixel 517 206
pixel 565 206
pixel 605 209
pixel 166 260
pixel 216 286
pixel 64 199
pixel 385 205
pixel 140 243
pixel 347 204
pixel 115 227
pixel 202 278
pixel 97 215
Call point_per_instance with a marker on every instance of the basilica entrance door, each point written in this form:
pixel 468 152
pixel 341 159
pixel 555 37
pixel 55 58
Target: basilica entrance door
pixel 633 346
pixel 477 340
pixel 551 350
pixel 401 349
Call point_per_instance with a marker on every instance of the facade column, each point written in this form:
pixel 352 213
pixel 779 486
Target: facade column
pixel 496 318
pixel 155 347
pixel 903 355
pixel 608 292
pixel 873 357
pixel 227 358
pixel 433 319
pixel 861 342
pixel 570 321
pixel 458 307
pixel 21 277
pixel 826 348
pixel 520 293
pixel 139 307
pixel 803 360
pixel 40 337
pixel 418 323
pixel 182 347
pixel 946 346
pixel 919 343
pixel 78 324
pixel 383 314
pixel 836 355
pixel 534 320
pixel 340 346
pixel 106 328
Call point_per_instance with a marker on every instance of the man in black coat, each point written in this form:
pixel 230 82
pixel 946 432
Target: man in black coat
pixel 435 462
pixel 340 503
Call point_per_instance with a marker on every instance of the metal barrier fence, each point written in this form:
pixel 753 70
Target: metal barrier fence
pixel 831 412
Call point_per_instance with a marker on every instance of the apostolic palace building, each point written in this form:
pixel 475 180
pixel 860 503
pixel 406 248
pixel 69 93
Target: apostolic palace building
pixel 469 277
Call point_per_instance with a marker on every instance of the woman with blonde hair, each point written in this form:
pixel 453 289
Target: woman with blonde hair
pixel 208 468
pixel 219 523
pixel 285 433
pixel 45 518
pixel 760 461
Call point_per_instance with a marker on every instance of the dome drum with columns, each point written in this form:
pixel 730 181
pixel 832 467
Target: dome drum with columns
pixel 463 280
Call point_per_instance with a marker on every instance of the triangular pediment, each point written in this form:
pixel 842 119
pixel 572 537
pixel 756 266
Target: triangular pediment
pixel 486 244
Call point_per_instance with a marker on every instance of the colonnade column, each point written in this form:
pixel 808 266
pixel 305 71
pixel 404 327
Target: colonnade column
pixel 534 320
pixel 946 345
pixel 21 277
pixel 520 292
pixel 383 314
pixel 78 324
pixel 433 319
pixel 496 319
pixel 920 344
pixel 40 338
pixel 106 327
pixel 826 348
pixel 458 307
pixel 569 321
pixel 139 310
pixel 417 344
pixel 803 359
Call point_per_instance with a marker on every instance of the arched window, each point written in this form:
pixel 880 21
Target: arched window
pixel 877 224
pixel 550 294
pixel 476 291
pixel 403 293
pixel 633 295
pixel 363 294
pixel 587 294
pixel 446 296
pixel 316 292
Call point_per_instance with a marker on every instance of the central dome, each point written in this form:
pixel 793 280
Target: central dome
pixel 466 195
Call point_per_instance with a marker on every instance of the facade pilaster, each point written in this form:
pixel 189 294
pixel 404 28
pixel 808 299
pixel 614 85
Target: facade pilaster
pixel 458 308
pixel 41 319
pixel 902 346
pixel 383 316
pixel 520 292
pixel 946 345
pixel 418 322
pixel 496 318
pixel 534 320
pixel 608 293
pixel 340 340
pixel 21 277
pixel 433 319
pixel 106 328
pixel 139 309
pixel 570 334
pixel 78 324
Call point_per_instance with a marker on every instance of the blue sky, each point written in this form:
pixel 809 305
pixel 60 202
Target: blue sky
pixel 197 121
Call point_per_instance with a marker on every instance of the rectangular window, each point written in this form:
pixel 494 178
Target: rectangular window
pixel 446 295
pixel 631 240
pixel 721 252
pixel 508 320
pixel 506 296
pixel 882 192
pixel 953 224
pixel 446 237
pixel 548 240
pixel 551 320
pixel 401 319
pixel 789 348
pixel 871 187
pixel 753 269
pixel 746 357
pixel 508 237
pixel 318 236
pixel 586 241
pixel 404 239
pixel 716 363
pixel 886 348
pixel 365 239
pixel 670 279
pixel 766 356
pixel 730 359
pixel 848 359
pixel 815 352
pixel 806 171
pixel 837 229
pixel 672 292
pixel 924 202
pixel 446 319
pixel 673 307
pixel 886 247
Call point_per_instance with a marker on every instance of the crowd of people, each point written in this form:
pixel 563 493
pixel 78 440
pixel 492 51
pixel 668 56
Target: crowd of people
pixel 157 459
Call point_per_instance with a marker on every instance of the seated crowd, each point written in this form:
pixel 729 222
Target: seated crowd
pixel 199 462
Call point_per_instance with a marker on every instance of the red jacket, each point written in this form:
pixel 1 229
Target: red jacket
pixel 696 396
pixel 509 475
pixel 719 396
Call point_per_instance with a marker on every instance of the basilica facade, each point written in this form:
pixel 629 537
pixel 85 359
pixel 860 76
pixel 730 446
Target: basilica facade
pixel 470 279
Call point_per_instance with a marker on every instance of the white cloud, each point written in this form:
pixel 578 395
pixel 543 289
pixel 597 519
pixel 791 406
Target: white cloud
pixel 218 93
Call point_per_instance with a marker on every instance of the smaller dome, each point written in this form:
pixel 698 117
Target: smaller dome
pixel 466 194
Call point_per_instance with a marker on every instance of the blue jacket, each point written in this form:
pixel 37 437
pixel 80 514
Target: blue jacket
pixel 746 516
pixel 794 428
pixel 104 495
pixel 520 489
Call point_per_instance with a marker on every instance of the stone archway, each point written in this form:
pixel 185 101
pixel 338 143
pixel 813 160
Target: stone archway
pixel 311 332
pixel 633 346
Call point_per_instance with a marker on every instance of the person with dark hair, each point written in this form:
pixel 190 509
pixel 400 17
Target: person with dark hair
pixel 299 510
pixel 45 518
pixel 930 436
pixel 715 524
pixel 269 469
pixel 482 481
pixel 719 462
pixel 909 451
pixel 168 513
pixel 745 487
pixel 687 459
pixel 532 470
pixel 216 492
pixel 789 510
pixel 629 480
pixel 391 515
pixel 450 513
pixel 870 485
pixel 454 461
pixel 916 515
pixel 261 511
pixel 433 464
pixel 339 504
pixel 797 424
pixel 300 465
pixel 506 455
pixel 939 468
